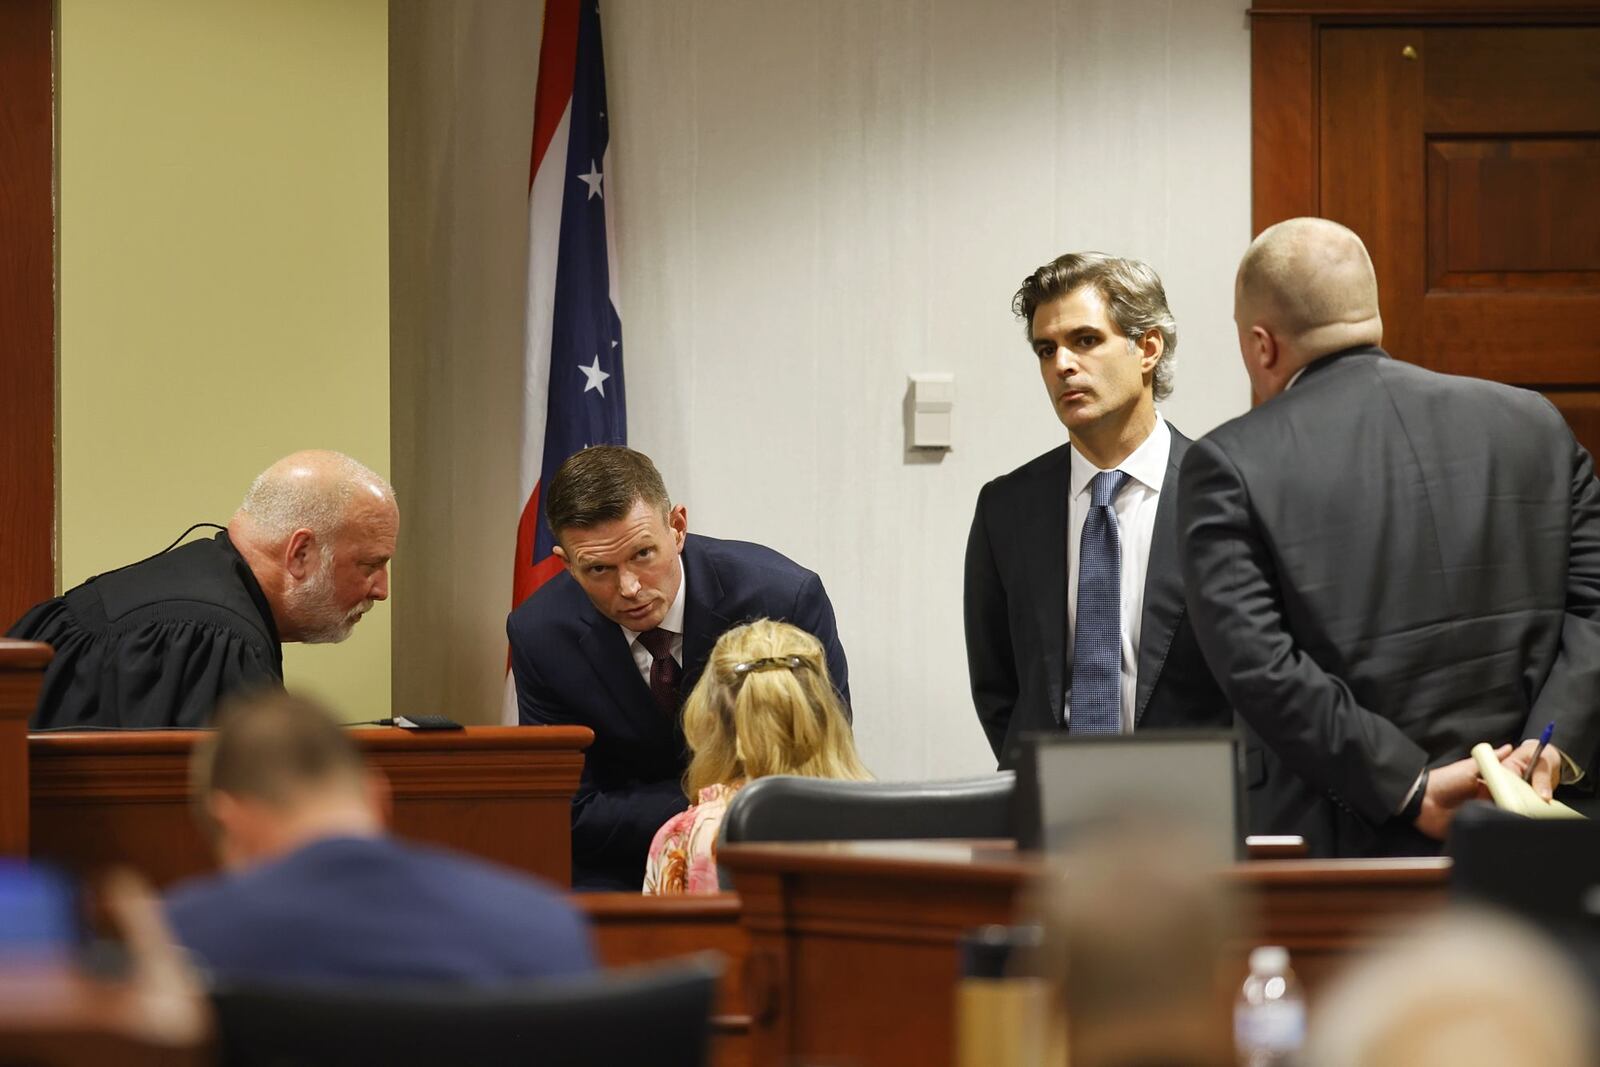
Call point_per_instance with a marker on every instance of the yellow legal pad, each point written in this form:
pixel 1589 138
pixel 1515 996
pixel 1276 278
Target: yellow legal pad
pixel 1511 793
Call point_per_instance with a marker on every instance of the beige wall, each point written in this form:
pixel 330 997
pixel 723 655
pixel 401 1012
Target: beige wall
pixel 223 273
pixel 814 200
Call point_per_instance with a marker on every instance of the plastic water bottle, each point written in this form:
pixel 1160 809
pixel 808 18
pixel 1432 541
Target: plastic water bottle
pixel 1269 1018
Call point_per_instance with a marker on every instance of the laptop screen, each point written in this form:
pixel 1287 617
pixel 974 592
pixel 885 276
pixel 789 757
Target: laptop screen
pixel 1068 784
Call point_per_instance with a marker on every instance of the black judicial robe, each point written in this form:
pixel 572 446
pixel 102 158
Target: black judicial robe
pixel 155 644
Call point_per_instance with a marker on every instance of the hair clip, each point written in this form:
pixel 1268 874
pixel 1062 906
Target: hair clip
pixel 771 663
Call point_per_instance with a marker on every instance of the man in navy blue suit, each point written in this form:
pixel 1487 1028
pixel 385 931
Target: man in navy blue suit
pixel 314 891
pixel 617 641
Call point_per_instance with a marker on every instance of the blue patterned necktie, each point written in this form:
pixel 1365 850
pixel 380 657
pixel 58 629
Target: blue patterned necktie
pixel 1096 702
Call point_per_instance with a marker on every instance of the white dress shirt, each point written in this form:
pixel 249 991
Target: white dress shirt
pixel 1135 511
pixel 673 624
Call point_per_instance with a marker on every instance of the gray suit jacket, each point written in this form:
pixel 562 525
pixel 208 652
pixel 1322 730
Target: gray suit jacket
pixel 1385 566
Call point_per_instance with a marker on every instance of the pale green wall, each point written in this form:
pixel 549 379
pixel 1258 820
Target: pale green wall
pixel 224 273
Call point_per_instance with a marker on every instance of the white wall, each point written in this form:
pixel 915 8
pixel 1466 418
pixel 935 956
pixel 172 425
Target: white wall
pixel 818 199
pixel 815 200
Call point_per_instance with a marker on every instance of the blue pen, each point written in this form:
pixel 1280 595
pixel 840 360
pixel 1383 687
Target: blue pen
pixel 1544 739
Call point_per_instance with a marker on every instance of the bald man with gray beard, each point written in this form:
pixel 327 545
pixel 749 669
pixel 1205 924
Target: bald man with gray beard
pixel 159 642
pixel 1386 566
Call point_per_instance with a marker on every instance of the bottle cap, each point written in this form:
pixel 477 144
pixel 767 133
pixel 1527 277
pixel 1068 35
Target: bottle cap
pixel 1269 959
pixel 988 951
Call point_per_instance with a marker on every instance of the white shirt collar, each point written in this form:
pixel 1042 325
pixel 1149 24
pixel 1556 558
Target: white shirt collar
pixel 673 623
pixel 1295 377
pixel 1146 464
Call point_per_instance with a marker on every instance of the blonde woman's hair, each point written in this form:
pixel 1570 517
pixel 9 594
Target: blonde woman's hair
pixel 766 705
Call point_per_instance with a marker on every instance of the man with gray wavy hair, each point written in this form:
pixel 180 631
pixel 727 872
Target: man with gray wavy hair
pixel 159 642
pixel 1074 600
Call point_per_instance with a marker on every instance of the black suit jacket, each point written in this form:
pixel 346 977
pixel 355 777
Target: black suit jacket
pixel 1385 566
pixel 1016 611
pixel 572 666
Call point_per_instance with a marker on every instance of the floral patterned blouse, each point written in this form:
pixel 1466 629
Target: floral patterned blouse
pixel 683 856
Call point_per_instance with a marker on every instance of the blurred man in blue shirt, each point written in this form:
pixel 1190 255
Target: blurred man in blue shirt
pixel 315 890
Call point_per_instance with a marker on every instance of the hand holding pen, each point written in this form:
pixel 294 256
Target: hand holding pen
pixel 1544 739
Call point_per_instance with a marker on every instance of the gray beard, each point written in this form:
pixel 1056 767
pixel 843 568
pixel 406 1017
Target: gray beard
pixel 319 619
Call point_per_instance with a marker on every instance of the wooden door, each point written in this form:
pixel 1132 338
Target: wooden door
pixel 1468 158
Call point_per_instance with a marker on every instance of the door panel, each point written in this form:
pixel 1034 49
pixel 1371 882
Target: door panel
pixel 1371 167
pixel 1534 79
pixel 1516 210
pixel 1468 159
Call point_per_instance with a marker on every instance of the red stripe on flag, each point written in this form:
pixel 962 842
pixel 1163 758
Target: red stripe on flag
pixel 558 62
pixel 528 575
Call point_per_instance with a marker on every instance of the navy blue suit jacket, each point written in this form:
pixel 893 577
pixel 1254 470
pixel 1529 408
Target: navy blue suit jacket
pixel 1016 612
pixel 356 909
pixel 572 666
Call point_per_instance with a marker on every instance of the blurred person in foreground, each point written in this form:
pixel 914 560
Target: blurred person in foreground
pixel 313 888
pixel 1468 989
pixel 1139 932
pixel 158 643
pixel 765 705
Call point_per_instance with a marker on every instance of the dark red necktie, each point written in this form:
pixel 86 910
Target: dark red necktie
pixel 664 670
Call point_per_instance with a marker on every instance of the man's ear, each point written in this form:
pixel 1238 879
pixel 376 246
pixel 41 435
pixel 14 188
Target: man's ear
pixel 1151 347
pixel 678 522
pixel 1264 347
pixel 375 784
pixel 223 810
pixel 237 829
pixel 560 553
pixel 297 553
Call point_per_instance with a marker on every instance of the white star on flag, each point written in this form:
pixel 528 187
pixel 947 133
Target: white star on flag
pixel 593 180
pixel 596 377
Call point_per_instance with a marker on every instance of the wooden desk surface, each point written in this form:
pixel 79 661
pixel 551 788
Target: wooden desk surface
pixel 853 945
pixel 122 797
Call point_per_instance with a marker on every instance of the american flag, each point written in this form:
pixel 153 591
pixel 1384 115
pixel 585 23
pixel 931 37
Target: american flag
pixel 573 392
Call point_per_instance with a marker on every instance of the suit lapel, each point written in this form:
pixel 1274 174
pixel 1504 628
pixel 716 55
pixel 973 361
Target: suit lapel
pixel 1163 584
pixel 603 645
pixel 703 618
pixel 1042 537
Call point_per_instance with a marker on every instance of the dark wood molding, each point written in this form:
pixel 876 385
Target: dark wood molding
pixel 22 665
pixel 27 308
pixel 1399 9
pixel 1283 121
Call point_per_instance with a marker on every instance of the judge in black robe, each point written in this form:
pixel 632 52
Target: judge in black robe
pixel 157 643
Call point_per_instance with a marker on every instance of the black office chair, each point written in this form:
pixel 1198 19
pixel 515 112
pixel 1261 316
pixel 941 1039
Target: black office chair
pixel 657 1015
pixel 785 808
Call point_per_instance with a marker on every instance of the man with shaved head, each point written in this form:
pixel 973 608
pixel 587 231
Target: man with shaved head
pixel 1385 565
pixel 157 643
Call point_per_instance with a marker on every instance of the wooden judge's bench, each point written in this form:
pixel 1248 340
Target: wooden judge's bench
pixel 841 953
pixel 92 800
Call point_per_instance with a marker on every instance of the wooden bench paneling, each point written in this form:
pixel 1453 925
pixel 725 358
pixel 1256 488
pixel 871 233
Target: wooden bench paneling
pixel 631 928
pixel 500 792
